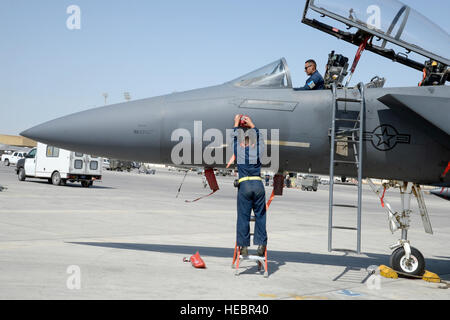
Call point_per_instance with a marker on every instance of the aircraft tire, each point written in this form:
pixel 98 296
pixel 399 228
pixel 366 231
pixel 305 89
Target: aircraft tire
pixel 415 268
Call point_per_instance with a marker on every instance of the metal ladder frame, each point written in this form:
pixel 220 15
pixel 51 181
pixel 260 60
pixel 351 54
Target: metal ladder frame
pixel 237 257
pixel 359 160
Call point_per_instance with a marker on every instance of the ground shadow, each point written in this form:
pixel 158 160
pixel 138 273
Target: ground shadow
pixel 278 258
pixel 69 184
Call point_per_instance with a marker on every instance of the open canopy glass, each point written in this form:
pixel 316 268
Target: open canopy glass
pixel 274 75
pixel 392 21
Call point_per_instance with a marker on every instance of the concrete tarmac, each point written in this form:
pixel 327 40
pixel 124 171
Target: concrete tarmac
pixel 126 237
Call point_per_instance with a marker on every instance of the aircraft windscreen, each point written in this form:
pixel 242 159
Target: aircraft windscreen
pixel 274 75
pixel 392 19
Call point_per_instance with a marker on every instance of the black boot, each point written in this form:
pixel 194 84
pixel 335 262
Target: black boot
pixel 244 251
pixel 261 251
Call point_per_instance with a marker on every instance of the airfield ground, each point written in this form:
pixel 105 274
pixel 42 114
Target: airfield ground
pixel 127 237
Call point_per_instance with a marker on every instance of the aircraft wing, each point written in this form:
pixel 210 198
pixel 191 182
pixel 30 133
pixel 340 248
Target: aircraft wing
pixel 432 114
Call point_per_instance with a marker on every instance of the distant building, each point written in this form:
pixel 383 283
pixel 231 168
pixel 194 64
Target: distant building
pixel 17 141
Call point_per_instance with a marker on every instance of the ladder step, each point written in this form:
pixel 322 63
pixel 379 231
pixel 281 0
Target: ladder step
pixel 347 162
pixel 345 206
pixel 349 141
pixel 346 130
pixel 348 100
pixel 351 120
pixel 345 228
pixel 346 184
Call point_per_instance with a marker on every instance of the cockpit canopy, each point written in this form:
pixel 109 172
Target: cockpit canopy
pixel 275 75
pixel 392 21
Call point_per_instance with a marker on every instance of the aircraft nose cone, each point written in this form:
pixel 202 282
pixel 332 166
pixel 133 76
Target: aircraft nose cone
pixel 128 131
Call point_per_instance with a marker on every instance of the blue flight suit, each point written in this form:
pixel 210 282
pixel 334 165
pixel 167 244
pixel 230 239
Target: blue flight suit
pixel 251 194
pixel 314 82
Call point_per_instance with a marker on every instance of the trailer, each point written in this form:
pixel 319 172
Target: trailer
pixel 310 183
pixel 59 166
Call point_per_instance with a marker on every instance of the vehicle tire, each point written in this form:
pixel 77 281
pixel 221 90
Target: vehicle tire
pixel 21 175
pixel 86 184
pixel 56 178
pixel 414 267
pixel 7 163
pixel 315 189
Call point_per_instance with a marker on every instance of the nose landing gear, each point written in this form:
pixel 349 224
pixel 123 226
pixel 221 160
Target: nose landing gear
pixel 405 259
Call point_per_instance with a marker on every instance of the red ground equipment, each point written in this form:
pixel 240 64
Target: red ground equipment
pixel 196 261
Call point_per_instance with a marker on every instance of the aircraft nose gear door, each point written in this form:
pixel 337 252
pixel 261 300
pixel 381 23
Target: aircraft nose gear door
pixel 405 259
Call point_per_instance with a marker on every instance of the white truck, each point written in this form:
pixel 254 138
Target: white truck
pixel 59 166
pixel 13 157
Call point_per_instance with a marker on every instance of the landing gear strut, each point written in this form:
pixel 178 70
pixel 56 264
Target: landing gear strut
pixel 405 259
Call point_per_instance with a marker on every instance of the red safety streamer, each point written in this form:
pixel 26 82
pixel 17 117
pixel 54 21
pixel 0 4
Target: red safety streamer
pixel 382 198
pixel 446 170
pixel 361 48
pixel 211 178
pixel 270 200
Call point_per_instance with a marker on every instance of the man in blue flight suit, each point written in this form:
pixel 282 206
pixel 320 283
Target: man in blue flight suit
pixel 315 80
pixel 248 148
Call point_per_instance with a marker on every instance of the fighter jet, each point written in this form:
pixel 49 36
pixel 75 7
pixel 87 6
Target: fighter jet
pixel 399 135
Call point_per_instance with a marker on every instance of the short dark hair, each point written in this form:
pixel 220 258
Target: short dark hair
pixel 313 62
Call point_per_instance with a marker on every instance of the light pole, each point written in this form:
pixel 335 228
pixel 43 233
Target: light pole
pixel 105 95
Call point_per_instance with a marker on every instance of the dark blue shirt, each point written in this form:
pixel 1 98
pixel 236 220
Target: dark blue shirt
pixel 249 158
pixel 314 82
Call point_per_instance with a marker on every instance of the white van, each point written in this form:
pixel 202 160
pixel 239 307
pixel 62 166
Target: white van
pixel 59 166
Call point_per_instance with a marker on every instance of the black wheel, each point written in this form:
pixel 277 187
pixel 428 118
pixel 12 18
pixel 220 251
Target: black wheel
pixel 21 175
pixel 7 163
pixel 415 266
pixel 86 184
pixel 56 178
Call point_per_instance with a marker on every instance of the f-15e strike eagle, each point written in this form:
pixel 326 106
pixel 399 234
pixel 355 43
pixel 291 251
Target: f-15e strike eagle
pixel 399 135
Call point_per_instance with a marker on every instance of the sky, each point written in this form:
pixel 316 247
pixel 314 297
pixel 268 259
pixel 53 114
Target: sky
pixel 150 48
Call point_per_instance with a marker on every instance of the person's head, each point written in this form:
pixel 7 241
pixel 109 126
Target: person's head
pixel 310 67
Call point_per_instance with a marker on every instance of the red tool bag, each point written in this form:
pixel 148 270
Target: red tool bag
pixel 196 261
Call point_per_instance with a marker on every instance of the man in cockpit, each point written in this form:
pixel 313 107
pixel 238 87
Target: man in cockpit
pixel 315 80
